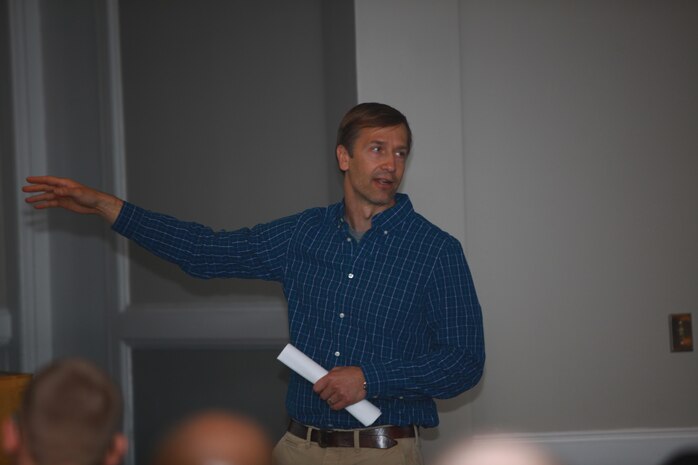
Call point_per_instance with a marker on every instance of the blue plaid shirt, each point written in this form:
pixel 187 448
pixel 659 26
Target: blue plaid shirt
pixel 400 303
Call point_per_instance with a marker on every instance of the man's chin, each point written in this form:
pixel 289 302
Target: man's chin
pixel 384 201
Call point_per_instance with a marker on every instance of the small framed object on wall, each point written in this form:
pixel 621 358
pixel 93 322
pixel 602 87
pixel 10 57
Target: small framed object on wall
pixel 680 325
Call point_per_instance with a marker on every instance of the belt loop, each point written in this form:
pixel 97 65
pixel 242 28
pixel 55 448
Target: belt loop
pixel 417 439
pixel 357 441
pixel 308 435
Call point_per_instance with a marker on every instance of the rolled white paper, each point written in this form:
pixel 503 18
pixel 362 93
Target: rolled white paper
pixel 364 411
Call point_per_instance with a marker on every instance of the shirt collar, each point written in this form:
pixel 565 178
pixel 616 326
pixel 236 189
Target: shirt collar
pixel 387 219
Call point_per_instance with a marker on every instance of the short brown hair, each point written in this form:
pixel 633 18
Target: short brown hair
pixel 70 413
pixel 369 115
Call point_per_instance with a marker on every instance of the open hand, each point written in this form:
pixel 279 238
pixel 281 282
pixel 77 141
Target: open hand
pixel 54 192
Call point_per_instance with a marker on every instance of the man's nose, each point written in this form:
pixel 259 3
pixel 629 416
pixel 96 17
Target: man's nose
pixel 389 163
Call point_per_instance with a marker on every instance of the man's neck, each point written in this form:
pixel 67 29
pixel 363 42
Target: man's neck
pixel 359 215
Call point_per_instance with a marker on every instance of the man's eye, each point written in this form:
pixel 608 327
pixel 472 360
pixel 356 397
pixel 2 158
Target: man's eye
pixel 376 148
pixel 401 154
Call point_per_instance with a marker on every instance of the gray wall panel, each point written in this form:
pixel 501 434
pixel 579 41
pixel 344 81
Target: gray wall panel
pixel 225 117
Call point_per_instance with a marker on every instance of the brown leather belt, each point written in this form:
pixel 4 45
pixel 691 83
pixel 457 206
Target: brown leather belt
pixel 382 437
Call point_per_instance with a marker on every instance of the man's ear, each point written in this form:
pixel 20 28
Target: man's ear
pixel 10 436
pixel 343 158
pixel 117 450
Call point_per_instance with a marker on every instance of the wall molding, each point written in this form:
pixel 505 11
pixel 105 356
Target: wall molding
pixel 238 322
pixel 641 446
pixel 5 327
pixel 114 178
pixel 35 322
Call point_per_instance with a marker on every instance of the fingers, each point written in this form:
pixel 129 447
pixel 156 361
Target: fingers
pixel 47 204
pixel 43 200
pixel 341 387
pixel 49 193
pixel 327 392
pixel 338 404
pixel 334 398
pixel 59 186
pixel 320 386
pixel 51 180
pixel 37 188
pixel 335 405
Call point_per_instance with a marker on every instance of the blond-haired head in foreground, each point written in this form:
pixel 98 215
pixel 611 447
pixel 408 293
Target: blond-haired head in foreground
pixel 496 450
pixel 214 438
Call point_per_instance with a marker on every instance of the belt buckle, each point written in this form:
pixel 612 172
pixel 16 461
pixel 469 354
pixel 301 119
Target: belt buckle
pixel 322 437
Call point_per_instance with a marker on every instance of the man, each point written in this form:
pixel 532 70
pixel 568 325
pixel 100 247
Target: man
pixel 214 438
pixel 70 415
pixel 376 294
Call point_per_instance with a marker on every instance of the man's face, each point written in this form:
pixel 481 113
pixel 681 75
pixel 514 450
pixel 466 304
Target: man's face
pixel 374 169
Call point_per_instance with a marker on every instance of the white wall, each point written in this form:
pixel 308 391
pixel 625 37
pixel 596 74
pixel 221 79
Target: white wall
pixel 571 183
pixel 581 195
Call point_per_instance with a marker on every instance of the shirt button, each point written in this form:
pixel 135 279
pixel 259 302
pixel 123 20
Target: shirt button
pixel 337 354
pixel 341 315
pixel 385 232
pixel 401 398
pixel 348 239
pixel 350 275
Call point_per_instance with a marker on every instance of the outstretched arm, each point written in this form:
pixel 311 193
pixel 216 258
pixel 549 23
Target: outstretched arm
pixel 54 192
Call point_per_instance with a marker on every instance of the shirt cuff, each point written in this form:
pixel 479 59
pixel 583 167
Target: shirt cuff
pixel 128 220
pixel 373 376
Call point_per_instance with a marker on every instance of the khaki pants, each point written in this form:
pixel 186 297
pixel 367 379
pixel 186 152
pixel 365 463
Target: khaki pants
pixel 292 450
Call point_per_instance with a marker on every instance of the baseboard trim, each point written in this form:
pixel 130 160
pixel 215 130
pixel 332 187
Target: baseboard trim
pixel 616 447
